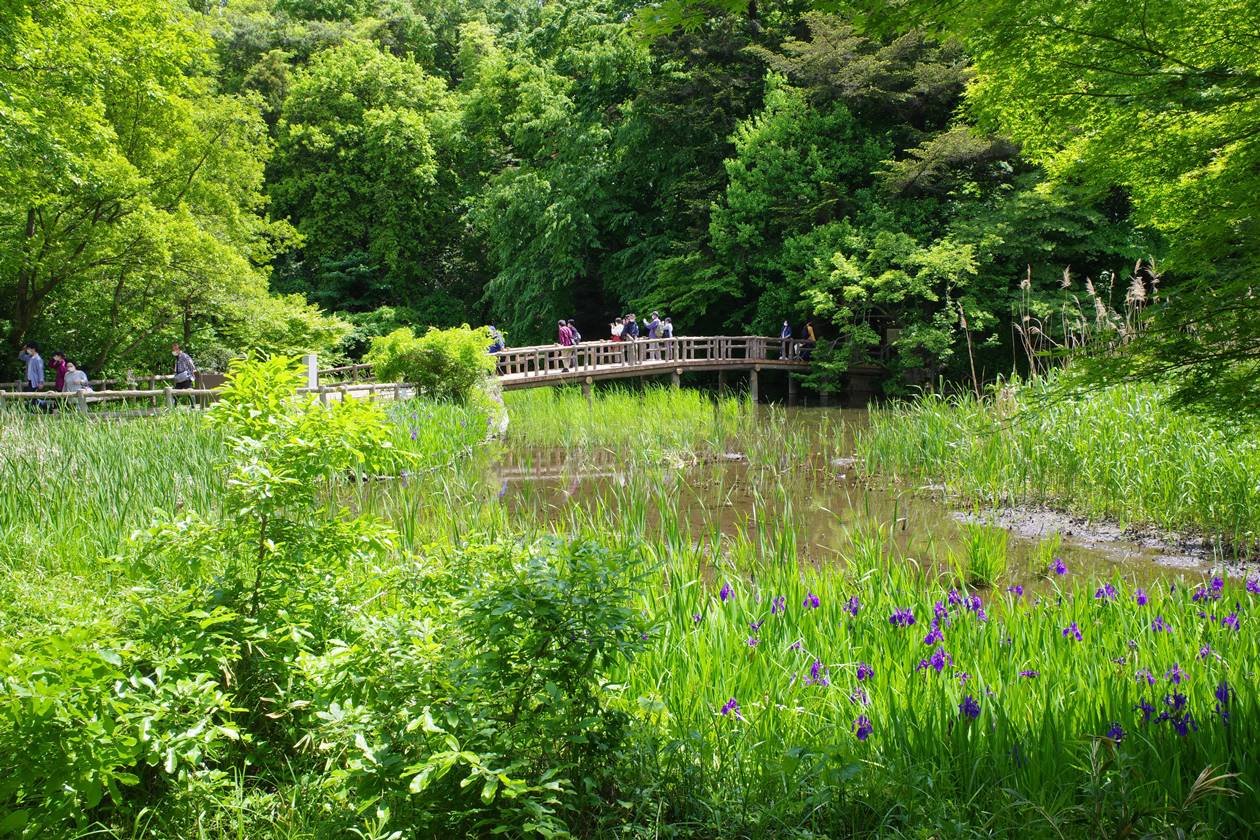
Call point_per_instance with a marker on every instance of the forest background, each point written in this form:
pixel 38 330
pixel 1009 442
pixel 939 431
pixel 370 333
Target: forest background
pixel 302 175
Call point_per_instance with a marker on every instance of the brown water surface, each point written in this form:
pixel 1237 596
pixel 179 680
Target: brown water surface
pixel 828 496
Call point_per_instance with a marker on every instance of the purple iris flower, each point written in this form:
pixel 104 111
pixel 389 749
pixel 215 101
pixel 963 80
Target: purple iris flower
pixel 753 641
pixel 1203 593
pixel 811 601
pixel 1106 592
pixel 940 611
pixel 1253 586
pixel 817 675
pixel 1146 709
pixel 1015 590
pixel 901 618
pixel 1230 621
pixel 731 707
pixel 756 625
pixel 864 672
pixel 1140 598
pixel 859 697
pixel 727 593
pixel 503 489
pixel 974 603
pixel 853 605
pixel 1029 674
pixel 1145 675
pixel 1116 732
pixel 1217 584
pixel 696 617
pixel 1184 724
pixel 962 677
pixel 778 605
pixel 862 727
pixel 1058 567
pixel 1159 626
pixel 953 598
pixel 795 645
pixel 1205 651
pixel 1072 632
pixel 969 707
pixel 1222 695
pixel 937 661
pixel 1175 675
pixel 934 635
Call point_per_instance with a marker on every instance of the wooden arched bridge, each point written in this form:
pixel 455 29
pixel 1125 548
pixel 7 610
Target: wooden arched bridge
pixel 518 367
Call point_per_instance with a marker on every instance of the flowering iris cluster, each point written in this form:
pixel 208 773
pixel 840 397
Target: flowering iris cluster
pixel 901 617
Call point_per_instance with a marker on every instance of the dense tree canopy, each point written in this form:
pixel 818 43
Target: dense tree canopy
pixel 903 173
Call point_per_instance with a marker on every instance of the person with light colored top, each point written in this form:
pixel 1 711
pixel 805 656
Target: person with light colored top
pixel 185 370
pixel 76 380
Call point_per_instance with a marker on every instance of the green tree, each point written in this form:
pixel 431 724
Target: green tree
pixel 1159 99
pixel 358 169
pixel 130 199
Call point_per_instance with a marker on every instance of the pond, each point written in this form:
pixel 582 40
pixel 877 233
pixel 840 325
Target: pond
pixel 827 496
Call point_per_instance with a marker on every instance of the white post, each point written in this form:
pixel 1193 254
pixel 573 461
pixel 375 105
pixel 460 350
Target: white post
pixel 311 363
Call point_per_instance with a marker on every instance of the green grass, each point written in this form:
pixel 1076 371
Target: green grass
pixel 1034 761
pixel 1120 454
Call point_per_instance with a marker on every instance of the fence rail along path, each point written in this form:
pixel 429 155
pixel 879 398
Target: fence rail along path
pixel 518 367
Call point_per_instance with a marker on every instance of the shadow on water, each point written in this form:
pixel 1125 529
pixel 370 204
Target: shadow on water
pixel 825 495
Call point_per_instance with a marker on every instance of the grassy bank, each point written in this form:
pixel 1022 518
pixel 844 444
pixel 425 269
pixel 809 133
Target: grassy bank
pixel 1120 453
pixel 391 651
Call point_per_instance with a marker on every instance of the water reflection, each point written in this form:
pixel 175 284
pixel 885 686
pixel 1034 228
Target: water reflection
pixel 825 493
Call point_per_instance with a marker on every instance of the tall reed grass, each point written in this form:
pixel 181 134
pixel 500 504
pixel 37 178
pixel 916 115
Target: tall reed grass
pixel 1120 453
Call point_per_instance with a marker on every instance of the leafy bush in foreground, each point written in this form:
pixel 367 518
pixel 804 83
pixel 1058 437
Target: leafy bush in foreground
pixel 276 646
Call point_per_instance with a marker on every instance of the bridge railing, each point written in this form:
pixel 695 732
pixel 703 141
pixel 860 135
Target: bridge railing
pixel 149 401
pixel 684 351
pixel 517 362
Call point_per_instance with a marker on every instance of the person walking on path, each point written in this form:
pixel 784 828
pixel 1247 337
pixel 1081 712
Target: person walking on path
pixel 577 336
pixel 185 370
pixel 34 379
pixel 59 365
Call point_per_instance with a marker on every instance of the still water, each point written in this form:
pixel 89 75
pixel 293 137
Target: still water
pixel 827 494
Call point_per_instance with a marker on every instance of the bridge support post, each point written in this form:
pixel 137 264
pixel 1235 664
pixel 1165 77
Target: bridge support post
pixel 675 378
pixel 586 391
pixel 824 398
pixel 721 382
pixel 753 391
pixel 310 364
pixel 794 390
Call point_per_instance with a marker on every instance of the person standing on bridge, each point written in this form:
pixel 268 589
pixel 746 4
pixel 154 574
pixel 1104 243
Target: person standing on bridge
pixel 653 333
pixel 667 332
pixel 616 327
pixel 807 346
pixel 185 370
pixel 785 335
pixel 564 337
pixel 631 333
pixel 577 336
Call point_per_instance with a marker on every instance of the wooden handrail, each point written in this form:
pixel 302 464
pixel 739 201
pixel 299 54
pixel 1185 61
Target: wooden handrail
pixel 515 366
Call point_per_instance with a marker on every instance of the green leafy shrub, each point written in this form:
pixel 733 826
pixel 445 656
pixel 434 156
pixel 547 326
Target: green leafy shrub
pixel 443 364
